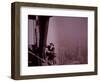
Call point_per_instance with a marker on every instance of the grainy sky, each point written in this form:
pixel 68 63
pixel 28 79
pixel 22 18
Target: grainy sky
pixel 68 34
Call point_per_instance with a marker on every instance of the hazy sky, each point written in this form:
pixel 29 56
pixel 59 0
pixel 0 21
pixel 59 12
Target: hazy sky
pixel 68 34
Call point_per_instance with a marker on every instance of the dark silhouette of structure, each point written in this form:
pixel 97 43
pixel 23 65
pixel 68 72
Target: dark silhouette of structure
pixel 36 54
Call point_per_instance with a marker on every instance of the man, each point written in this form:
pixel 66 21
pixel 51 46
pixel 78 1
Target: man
pixel 50 54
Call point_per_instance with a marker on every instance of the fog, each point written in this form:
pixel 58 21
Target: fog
pixel 69 35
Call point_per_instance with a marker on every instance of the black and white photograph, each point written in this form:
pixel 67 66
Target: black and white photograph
pixel 57 40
